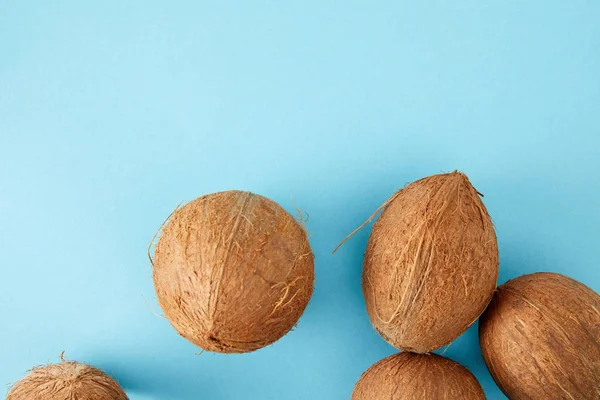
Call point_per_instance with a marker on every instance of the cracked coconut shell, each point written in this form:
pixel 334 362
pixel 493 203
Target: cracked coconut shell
pixel 431 263
pixel 233 271
pixel 66 380
pixel 410 376
pixel 540 338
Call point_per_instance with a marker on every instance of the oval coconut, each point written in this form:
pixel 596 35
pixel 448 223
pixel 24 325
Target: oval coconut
pixel 431 263
pixel 67 380
pixel 540 338
pixel 409 376
pixel 233 271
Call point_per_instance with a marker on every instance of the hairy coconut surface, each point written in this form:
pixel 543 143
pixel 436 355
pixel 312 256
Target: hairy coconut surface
pixel 431 263
pixel 411 376
pixel 540 338
pixel 233 271
pixel 66 381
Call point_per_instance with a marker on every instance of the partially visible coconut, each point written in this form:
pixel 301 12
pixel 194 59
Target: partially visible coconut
pixel 540 338
pixel 410 376
pixel 431 263
pixel 66 380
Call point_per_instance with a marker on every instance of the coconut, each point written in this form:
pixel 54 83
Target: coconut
pixel 431 263
pixel 233 271
pixel 66 380
pixel 409 376
pixel 540 338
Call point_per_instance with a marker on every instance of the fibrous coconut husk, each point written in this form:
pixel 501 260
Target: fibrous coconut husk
pixel 540 338
pixel 431 263
pixel 410 376
pixel 67 380
pixel 233 271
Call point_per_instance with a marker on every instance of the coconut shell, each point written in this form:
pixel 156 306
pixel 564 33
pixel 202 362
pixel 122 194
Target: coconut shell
pixel 233 271
pixel 410 376
pixel 540 338
pixel 431 263
pixel 67 380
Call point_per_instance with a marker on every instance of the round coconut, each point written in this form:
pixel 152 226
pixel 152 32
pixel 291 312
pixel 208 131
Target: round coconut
pixel 67 380
pixel 540 338
pixel 431 263
pixel 233 271
pixel 409 376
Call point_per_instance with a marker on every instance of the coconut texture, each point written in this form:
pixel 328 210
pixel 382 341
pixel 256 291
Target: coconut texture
pixel 66 381
pixel 411 376
pixel 233 271
pixel 540 338
pixel 431 263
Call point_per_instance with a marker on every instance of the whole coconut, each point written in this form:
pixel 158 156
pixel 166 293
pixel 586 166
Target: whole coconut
pixel 233 271
pixel 540 338
pixel 431 263
pixel 66 381
pixel 410 376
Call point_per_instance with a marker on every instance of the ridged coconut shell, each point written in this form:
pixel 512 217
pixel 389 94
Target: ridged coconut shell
pixel 66 381
pixel 540 338
pixel 410 376
pixel 431 263
pixel 233 271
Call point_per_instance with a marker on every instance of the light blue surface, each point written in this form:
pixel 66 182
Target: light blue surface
pixel 113 112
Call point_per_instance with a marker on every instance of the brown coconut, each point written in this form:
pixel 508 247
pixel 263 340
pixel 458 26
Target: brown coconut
pixel 233 271
pixel 540 338
pixel 410 376
pixel 66 381
pixel 431 263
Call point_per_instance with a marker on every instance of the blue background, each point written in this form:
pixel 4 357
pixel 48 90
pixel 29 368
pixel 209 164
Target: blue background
pixel 113 112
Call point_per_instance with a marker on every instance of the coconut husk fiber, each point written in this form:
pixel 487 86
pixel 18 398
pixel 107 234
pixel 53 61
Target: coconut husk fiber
pixel 410 376
pixel 233 271
pixel 431 263
pixel 540 338
pixel 66 380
